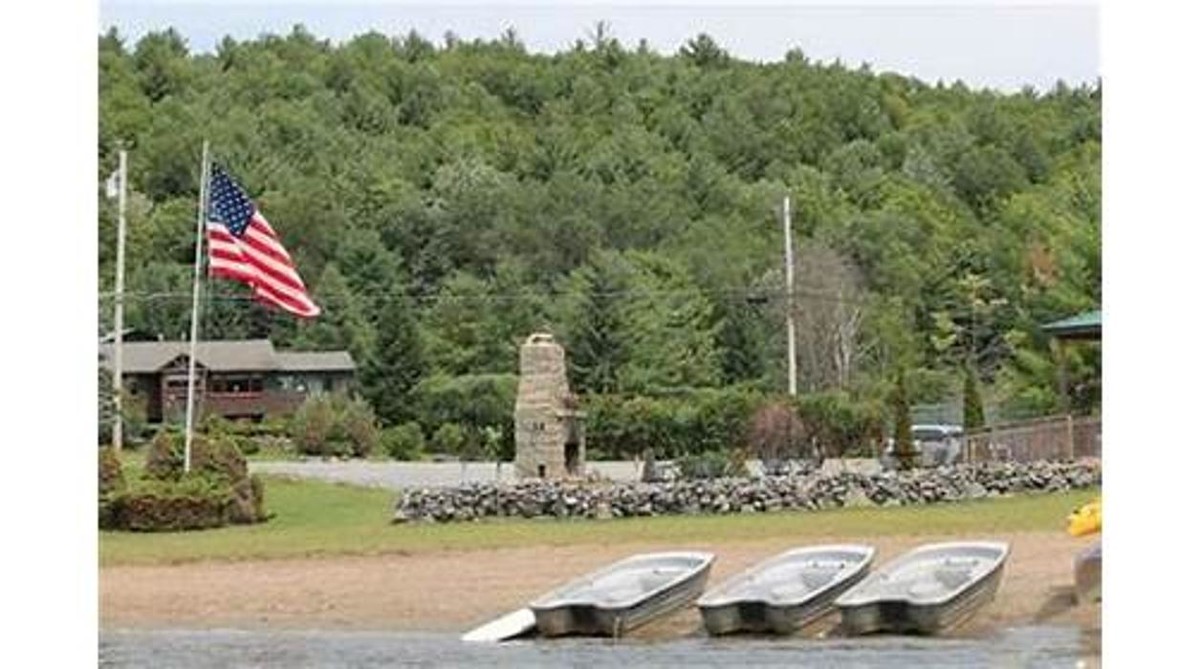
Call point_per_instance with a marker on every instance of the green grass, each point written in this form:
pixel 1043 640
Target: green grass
pixel 315 519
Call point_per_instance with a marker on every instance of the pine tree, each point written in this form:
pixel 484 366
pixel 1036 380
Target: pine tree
pixel 596 348
pixel 972 401
pixel 902 424
pixel 396 366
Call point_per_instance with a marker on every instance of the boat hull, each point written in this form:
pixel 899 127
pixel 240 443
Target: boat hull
pixel 876 607
pixel 593 618
pixel 748 612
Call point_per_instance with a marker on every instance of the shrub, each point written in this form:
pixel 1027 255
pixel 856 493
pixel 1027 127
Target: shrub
pixel 335 425
pixel 688 422
pixel 403 442
pixel 313 424
pixel 777 434
pixel 217 490
pixel 154 505
pixel 358 424
pixel 449 438
pixel 248 445
pixel 164 458
pixel 219 457
pixel 473 401
pixel 112 478
pixel 707 465
pixel 839 425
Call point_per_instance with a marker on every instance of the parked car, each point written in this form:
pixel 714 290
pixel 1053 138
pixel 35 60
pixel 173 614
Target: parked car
pixel 938 444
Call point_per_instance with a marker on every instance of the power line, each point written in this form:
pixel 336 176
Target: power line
pixel 748 293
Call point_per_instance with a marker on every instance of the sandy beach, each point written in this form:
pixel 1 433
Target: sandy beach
pixel 453 591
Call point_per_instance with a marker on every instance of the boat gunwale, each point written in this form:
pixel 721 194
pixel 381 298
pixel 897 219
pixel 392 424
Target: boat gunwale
pixel 861 596
pixel 718 597
pixel 554 599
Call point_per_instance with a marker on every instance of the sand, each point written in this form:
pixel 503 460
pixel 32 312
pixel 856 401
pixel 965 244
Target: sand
pixel 454 591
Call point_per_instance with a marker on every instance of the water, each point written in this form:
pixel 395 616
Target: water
pixel 1042 646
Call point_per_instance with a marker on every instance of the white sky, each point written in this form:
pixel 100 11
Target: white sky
pixel 1002 46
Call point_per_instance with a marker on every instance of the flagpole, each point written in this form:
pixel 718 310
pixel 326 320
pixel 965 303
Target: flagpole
pixel 119 308
pixel 191 387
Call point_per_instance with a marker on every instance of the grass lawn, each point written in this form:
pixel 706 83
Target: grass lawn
pixel 314 519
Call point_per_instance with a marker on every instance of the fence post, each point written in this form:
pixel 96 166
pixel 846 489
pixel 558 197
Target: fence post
pixel 1070 438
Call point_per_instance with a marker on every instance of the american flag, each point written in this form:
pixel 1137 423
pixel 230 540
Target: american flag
pixel 243 247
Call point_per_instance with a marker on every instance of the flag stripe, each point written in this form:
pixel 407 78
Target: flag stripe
pixel 269 269
pixel 243 247
pixel 300 306
pixel 235 267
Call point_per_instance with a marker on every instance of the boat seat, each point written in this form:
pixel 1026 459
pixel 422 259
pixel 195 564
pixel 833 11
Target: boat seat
pixel 816 578
pixel 952 577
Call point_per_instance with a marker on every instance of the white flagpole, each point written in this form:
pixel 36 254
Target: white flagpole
pixel 119 308
pixel 191 389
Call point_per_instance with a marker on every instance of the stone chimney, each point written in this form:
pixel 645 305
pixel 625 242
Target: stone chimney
pixel 548 427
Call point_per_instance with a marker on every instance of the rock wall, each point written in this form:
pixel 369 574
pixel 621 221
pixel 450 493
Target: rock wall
pixel 818 490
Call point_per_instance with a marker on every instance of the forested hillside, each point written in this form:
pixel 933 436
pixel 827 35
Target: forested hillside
pixel 444 200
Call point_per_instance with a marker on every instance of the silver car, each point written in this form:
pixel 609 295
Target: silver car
pixel 938 444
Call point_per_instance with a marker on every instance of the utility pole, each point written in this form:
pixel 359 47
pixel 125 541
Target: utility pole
pixel 790 274
pixel 119 308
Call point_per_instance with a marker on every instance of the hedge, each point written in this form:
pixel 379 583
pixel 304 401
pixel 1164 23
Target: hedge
pixel 217 490
pixel 696 422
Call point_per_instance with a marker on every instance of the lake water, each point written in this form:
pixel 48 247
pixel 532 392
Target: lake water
pixel 1040 646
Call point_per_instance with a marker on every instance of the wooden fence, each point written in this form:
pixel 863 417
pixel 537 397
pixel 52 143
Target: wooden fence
pixel 1052 438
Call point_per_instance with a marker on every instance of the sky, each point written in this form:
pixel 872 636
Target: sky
pixel 999 46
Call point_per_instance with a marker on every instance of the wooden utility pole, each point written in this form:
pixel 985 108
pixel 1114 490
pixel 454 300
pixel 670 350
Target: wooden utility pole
pixel 789 272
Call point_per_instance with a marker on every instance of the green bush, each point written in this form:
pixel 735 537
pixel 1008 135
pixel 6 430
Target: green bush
pixel 112 478
pixel 403 442
pixel 840 425
pixel 475 402
pixel 449 438
pixel 192 502
pixel 335 425
pixel 164 457
pixel 707 465
pixel 686 423
pixel 358 424
pixel 217 490
pixel 248 445
pixel 218 457
pixel 313 424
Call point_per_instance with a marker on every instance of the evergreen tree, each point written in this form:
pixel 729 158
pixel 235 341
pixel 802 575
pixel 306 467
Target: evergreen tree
pixel 397 365
pixel 972 401
pixel 596 347
pixel 905 450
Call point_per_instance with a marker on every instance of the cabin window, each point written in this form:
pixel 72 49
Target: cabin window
pixel 236 384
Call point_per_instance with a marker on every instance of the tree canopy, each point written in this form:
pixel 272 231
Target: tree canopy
pixel 623 199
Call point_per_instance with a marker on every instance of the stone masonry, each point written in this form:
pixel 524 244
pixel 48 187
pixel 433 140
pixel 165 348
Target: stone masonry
pixel 549 430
